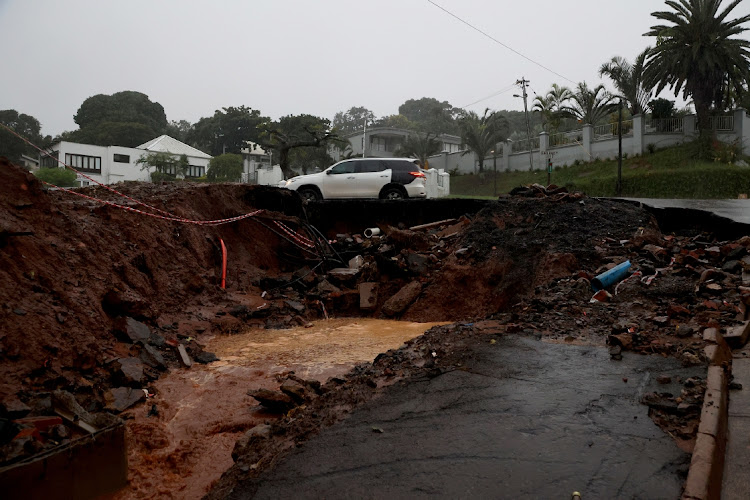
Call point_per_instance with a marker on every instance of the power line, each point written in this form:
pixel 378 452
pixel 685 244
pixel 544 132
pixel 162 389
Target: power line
pixel 503 91
pixel 499 42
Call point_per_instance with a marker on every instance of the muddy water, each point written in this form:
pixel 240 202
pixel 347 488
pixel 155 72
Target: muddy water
pixel 202 411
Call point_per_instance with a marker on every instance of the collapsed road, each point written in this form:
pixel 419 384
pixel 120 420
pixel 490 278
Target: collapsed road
pixel 98 302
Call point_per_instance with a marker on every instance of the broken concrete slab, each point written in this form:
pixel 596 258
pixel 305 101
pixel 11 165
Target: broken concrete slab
pixel 11 407
pixel 418 263
pixel 133 329
pixel 403 299
pixel 356 262
pixel 152 357
pixel 368 296
pixel 295 390
pixel 131 371
pixel 737 336
pixel 121 398
pixel 184 356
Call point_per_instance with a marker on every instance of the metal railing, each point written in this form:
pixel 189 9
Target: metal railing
pixel 722 123
pixel 565 138
pixel 664 125
pixel 611 130
pixel 526 145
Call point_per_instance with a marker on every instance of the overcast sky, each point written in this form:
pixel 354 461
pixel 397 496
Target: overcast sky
pixel 302 56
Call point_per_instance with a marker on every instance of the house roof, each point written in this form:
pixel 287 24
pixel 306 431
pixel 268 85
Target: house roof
pixel 166 144
pixel 254 149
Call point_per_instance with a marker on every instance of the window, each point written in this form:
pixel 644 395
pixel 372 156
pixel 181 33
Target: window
pixel 378 144
pixel 84 163
pixel 370 166
pixel 195 171
pixel 50 161
pixel 347 167
pixel 121 158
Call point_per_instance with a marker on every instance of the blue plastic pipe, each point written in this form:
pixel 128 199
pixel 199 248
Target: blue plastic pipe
pixel 614 275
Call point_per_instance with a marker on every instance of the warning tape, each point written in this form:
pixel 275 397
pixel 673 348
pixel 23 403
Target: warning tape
pixel 294 235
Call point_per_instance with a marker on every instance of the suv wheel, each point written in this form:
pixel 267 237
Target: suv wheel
pixel 393 194
pixel 309 194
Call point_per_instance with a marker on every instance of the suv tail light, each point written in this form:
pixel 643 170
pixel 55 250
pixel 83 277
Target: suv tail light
pixel 418 175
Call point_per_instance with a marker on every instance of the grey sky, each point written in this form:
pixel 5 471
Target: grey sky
pixel 301 56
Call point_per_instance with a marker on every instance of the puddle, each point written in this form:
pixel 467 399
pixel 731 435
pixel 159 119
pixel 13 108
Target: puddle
pixel 202 411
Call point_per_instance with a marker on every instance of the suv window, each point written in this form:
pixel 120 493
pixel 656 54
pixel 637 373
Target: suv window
pixel 371 166
pixel 346 167
pixel 403 166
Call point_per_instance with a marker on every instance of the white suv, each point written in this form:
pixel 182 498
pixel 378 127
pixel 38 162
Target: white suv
pixel 385 178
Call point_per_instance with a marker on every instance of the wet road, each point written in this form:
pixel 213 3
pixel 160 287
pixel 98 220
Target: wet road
pixel 736 210
pixel 521 419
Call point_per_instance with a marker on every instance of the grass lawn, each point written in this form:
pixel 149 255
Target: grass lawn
pixel 670 173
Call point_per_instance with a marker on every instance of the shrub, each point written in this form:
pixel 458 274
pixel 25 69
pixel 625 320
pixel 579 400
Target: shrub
pixel 61 177
pixel 651 148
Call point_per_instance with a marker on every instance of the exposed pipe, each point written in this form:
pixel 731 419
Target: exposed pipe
pixel 223 264
pixel 372 231
pixel 610 277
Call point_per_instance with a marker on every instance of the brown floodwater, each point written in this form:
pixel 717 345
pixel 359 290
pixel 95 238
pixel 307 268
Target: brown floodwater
pixel 203 410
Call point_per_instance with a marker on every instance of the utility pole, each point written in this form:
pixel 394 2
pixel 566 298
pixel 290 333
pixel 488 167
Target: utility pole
pixel 523 82
pixel 364 138
pixel 619 156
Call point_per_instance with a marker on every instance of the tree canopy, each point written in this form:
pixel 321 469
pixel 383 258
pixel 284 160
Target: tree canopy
pixel 699 54
pixel 628 80
pixel 293 132
pixel 431 115
pixel 166 167
pixel 25 125
pixel 481 134
pixel 353 120
pixel 122 107
pixel 227 130
pixel 420 146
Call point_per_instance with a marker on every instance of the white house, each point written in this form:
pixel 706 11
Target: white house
pixel 383 142
pixel 257 167
pixel 112 164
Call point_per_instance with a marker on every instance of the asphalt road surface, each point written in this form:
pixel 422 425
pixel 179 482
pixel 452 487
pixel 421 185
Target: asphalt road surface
pixel 736 210
pixel 520 419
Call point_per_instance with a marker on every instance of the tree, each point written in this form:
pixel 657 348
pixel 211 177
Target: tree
pixel 227 130
pixel 481 135
pixel 396 121
pixel 551 107
pixel 127 134
pixel 60 177
pixel 225 168
pixel 431 115
pixel 419 146
pixel 590 106
pixel 293 132
pixel 179 129
pixel 661 108
pixel 166 166
pixel 628 80
pixel 698 53
pixel 353 120
pixel 26 126
pixel 127 106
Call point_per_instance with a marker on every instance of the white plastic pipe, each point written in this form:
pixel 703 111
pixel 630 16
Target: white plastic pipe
pixel 372 231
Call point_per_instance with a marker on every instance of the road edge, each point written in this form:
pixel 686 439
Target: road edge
pixel 707 465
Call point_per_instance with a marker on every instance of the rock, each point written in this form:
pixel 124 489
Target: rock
pixel 368 296
pixel 59 432
pixel 295 390
pixel 274 401
pixel 615 352
pixel 658 253
pixel 156 340
pixel 732 266
pixel 462 252
pixel 623 340
pixel 343 274
pixel 134 330
pixel 122 398
pixel 324 288
pixel 677 310
pixel 664 379
pixel 206 357
pixel 11 407
pixel 258 432
pixel 418 263
pixel 152 357
pixel 357 262
pixel 690 359
pixel 131 371
pixel 403 299
pixel 294 305
pixel 684 331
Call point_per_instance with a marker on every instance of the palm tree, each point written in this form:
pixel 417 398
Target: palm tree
pixel 551 106
pixel 628 80
pixel 590 106
pixel 699 53
pixel 481 135
pixel 420 146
